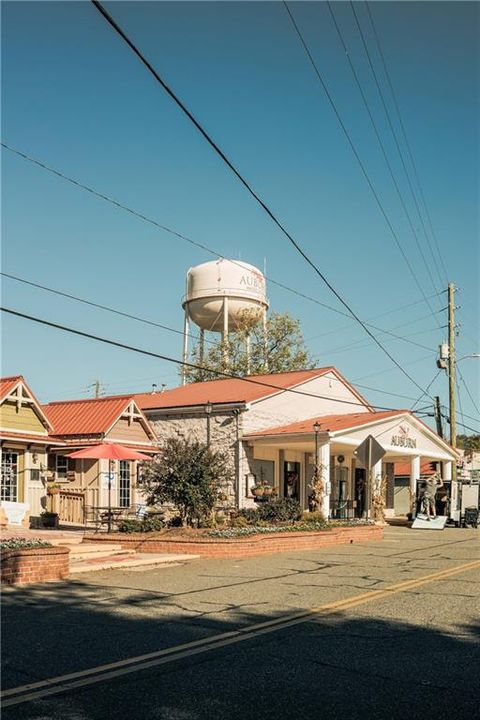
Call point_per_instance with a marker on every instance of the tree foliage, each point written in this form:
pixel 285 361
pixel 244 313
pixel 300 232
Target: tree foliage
pixel 469 442
pixel 283 349
pixel 190 476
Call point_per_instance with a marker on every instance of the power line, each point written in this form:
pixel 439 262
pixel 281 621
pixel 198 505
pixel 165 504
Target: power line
pixel 407 144
pixel 380 142
pixel 166 358
pixel 428 388
pixel 387 370
pixel 137 318
pixel 394 134
pixel 212 252
pixel 468 391
pixel 355 152
pixel 244 182
pixel 162 227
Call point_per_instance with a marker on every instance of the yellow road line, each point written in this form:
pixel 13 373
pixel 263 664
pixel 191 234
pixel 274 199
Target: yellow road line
pixel 101 673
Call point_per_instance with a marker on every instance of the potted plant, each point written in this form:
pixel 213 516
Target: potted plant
pixel 53 488
pixel 258 490
pixel 267 490
pixel 49 519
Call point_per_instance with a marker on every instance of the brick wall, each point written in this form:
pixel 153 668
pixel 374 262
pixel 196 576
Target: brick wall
pixel 249 546
pixel 35 565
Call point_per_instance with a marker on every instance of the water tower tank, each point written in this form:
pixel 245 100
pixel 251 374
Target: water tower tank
pixel 222 290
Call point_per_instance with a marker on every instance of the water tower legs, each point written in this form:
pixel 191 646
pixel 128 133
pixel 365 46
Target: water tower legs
pixel 186 331
pixel 202 350
pixel 265 339
pixel 225 348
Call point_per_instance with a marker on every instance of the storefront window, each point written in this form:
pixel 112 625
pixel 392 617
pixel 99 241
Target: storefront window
pixel 124 484
pixel 9 481
pixel 291 480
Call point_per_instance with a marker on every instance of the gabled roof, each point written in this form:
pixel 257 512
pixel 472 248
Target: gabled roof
pixel 331 423
pixel 8 386
pixel 89 417
pixel 339 423
pixel 234 390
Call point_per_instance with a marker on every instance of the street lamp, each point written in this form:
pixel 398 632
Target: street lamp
pixel 208 412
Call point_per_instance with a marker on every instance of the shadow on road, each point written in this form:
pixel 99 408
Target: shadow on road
pixel 327 667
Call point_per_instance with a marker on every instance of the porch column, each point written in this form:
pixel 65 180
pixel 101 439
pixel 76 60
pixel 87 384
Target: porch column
pixel 324 465
pixel 447 470
pixel 414 476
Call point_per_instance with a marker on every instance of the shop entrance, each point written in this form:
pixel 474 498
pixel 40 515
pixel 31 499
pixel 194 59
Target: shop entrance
pixel 291 480
pixel 359 492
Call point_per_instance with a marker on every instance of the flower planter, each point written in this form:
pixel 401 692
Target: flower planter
pixel 49 520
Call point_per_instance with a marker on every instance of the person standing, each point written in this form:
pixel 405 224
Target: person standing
pixel 432 484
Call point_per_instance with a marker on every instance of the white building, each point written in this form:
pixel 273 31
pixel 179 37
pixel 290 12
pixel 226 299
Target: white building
pixel 266 424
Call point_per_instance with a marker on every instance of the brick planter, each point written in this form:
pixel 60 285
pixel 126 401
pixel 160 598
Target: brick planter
pixel 246 546
pixel 34 565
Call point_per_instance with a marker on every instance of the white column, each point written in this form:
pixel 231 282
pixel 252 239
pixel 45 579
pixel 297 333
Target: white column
pixel 324 464
pixel 414 476
pixel 447 470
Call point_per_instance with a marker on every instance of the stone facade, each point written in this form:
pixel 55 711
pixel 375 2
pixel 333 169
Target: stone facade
pixel 223 426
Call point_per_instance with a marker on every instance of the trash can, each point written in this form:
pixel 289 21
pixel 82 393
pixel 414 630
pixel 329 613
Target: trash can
pixel 470 519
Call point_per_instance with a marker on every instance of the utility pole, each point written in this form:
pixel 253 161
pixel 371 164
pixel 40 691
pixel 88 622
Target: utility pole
pixel 438 416
pixel 451 364
pixel 97 388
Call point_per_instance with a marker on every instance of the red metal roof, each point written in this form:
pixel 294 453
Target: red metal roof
pixel 402 469
pixel 29 437
pixel 332 423
pixel 229 390
pixel 86 417
pixel 7 384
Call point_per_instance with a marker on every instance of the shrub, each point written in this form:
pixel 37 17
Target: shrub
pixel 248 516
pixel 20 543
pixel 312 517
pixel 189 475
pixel 279 510
pixel 148 524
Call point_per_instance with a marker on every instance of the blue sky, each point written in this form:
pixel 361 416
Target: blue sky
pixel 76 98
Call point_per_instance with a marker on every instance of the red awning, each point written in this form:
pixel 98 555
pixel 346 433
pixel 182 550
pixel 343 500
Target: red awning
pixel 109 451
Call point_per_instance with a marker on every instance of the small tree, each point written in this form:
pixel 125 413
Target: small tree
pixel 281 350
pixel 189 475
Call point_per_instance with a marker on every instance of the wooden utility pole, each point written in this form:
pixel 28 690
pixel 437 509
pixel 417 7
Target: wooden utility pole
pixel 451 364
pixel 438 416
pixel 97 388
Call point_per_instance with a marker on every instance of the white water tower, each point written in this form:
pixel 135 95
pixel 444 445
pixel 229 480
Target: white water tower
pixel 219 295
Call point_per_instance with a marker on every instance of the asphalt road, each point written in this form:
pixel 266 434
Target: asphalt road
pixel 395 634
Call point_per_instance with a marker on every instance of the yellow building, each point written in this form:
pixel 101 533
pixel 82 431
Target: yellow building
pixel 25 441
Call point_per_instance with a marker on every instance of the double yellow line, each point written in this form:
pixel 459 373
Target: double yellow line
pixel 101 673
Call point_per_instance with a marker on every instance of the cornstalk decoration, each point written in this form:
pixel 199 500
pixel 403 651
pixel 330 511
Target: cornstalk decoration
pixel 318 488
pixel 379 499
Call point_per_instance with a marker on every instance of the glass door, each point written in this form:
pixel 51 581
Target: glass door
pixel 124 489
pixel 9 482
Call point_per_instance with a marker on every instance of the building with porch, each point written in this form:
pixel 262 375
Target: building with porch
pixel 25 436
pixel 277 428
pixel 82 485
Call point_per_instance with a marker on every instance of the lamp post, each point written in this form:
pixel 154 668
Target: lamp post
pixel 208 412
pixel 316 427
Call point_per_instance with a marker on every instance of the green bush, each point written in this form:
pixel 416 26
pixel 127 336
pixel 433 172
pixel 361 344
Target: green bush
pixel 148 524
pixel 20 543
pixel 313 517
pixel 279 510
